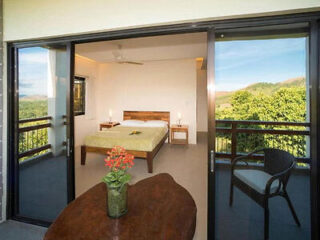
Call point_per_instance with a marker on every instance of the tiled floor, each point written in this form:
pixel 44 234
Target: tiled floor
pixel 245 219
pixel 12 230
pixel 43 188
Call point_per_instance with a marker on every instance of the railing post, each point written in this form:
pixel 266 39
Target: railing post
pixel 233 140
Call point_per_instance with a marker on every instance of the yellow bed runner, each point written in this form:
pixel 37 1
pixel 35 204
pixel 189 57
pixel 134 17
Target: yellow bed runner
pixel 147 140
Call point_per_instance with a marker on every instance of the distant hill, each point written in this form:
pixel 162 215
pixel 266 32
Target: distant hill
pixel 223 98
pixel 33 97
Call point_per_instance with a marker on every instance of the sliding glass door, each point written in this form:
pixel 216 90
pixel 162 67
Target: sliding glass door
pixel 259 101
pixel 42 132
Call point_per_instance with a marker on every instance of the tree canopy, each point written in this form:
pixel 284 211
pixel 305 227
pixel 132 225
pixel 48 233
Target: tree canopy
pixel 288 104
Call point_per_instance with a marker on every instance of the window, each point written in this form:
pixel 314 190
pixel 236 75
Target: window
pixel 79 95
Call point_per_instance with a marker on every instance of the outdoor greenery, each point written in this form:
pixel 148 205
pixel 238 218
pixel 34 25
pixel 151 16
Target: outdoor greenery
pixel 282 102
pixel 32 108
pixel 29 108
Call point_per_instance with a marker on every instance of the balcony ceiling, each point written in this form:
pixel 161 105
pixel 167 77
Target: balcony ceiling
pixel 167 47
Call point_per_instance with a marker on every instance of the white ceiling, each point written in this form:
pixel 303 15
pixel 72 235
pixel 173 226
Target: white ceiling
pixel 167 47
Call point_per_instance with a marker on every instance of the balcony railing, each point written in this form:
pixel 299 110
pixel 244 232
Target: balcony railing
pixel 235 138
pixel 33 136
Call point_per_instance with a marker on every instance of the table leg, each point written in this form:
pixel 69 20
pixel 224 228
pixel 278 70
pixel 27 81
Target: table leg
pixel 187 133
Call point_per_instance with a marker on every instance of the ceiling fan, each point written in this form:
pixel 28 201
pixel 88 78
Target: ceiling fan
pixel 119 58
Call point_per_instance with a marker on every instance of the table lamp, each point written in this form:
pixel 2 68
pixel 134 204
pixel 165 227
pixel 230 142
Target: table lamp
pixel 179 119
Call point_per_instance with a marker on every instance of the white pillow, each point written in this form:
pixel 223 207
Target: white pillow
pixel 132 123
pixel 155 123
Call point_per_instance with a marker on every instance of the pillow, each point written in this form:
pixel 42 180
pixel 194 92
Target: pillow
pixel 131 123
pixel 155 123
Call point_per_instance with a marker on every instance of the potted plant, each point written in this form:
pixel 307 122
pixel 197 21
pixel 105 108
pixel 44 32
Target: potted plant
pixel 118 161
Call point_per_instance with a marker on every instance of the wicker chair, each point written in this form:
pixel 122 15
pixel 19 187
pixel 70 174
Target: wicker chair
pixel 260 185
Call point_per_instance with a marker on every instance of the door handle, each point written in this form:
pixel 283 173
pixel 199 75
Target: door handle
pixel 68 147
pixel 212 161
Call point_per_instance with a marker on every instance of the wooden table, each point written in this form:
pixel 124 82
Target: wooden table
pixel 179 128
pixel 108 125
pixel 159 208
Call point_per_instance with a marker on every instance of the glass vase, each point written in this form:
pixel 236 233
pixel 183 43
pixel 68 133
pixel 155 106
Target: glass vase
pixel 117 201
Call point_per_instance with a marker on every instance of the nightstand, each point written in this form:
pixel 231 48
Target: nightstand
pixel 175 129
pixel 108 125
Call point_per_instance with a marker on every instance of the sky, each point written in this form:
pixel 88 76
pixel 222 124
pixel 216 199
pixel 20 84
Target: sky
pixel 241 63
pixel 33 64
pixel 238 64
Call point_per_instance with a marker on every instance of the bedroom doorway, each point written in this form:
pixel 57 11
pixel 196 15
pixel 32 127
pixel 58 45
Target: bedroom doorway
pixel 145 80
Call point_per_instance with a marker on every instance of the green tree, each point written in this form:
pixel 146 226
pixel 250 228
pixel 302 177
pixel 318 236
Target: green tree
pixel 284 105
pixel 36 138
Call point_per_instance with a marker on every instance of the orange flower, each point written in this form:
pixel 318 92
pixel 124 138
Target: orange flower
pixel 118 158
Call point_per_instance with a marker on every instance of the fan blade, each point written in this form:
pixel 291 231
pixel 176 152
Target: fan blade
pixel 130 62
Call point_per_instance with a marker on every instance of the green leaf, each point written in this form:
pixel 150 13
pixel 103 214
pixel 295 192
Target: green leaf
pixel 111 176
pixel 115 185
pixel 125 178
pixel 105 180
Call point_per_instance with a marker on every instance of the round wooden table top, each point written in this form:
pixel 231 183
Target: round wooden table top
pixel 158 208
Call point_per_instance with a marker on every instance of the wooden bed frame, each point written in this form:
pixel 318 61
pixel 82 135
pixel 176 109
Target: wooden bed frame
pixel 135 115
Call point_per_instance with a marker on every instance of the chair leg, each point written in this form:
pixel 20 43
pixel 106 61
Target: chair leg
pixel 286 196
pixel 266 220
pixel 231 194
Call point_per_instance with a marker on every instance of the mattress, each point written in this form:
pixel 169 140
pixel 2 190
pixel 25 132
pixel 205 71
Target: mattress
pixel 147 140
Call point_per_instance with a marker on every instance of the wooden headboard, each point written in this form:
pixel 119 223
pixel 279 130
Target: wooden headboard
pixel 146 115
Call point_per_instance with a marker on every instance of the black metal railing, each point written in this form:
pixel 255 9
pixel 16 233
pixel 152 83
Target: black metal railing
pixel 235 138
pixel 33 136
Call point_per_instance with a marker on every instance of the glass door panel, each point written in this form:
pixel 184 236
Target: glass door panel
pixel 261 101
pixel 42 132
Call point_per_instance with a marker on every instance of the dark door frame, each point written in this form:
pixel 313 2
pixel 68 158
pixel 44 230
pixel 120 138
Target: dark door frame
pixel 13 123
pixel 211 130
pixel 314 69
pixel 311 18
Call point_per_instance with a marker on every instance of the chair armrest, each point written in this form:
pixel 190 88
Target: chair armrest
pixel 269 183
pixel 241 158
pixel 277 176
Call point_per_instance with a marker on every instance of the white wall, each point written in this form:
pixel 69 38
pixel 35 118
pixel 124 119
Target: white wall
pixel 26 19
pixel 154 86
pixel 86 124
pixel 202 106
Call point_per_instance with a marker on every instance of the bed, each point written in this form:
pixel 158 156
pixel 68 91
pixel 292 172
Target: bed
pixel 145 145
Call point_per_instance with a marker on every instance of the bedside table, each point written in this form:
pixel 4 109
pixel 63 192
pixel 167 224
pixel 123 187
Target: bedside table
pixel 108 125
pixel 175 129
